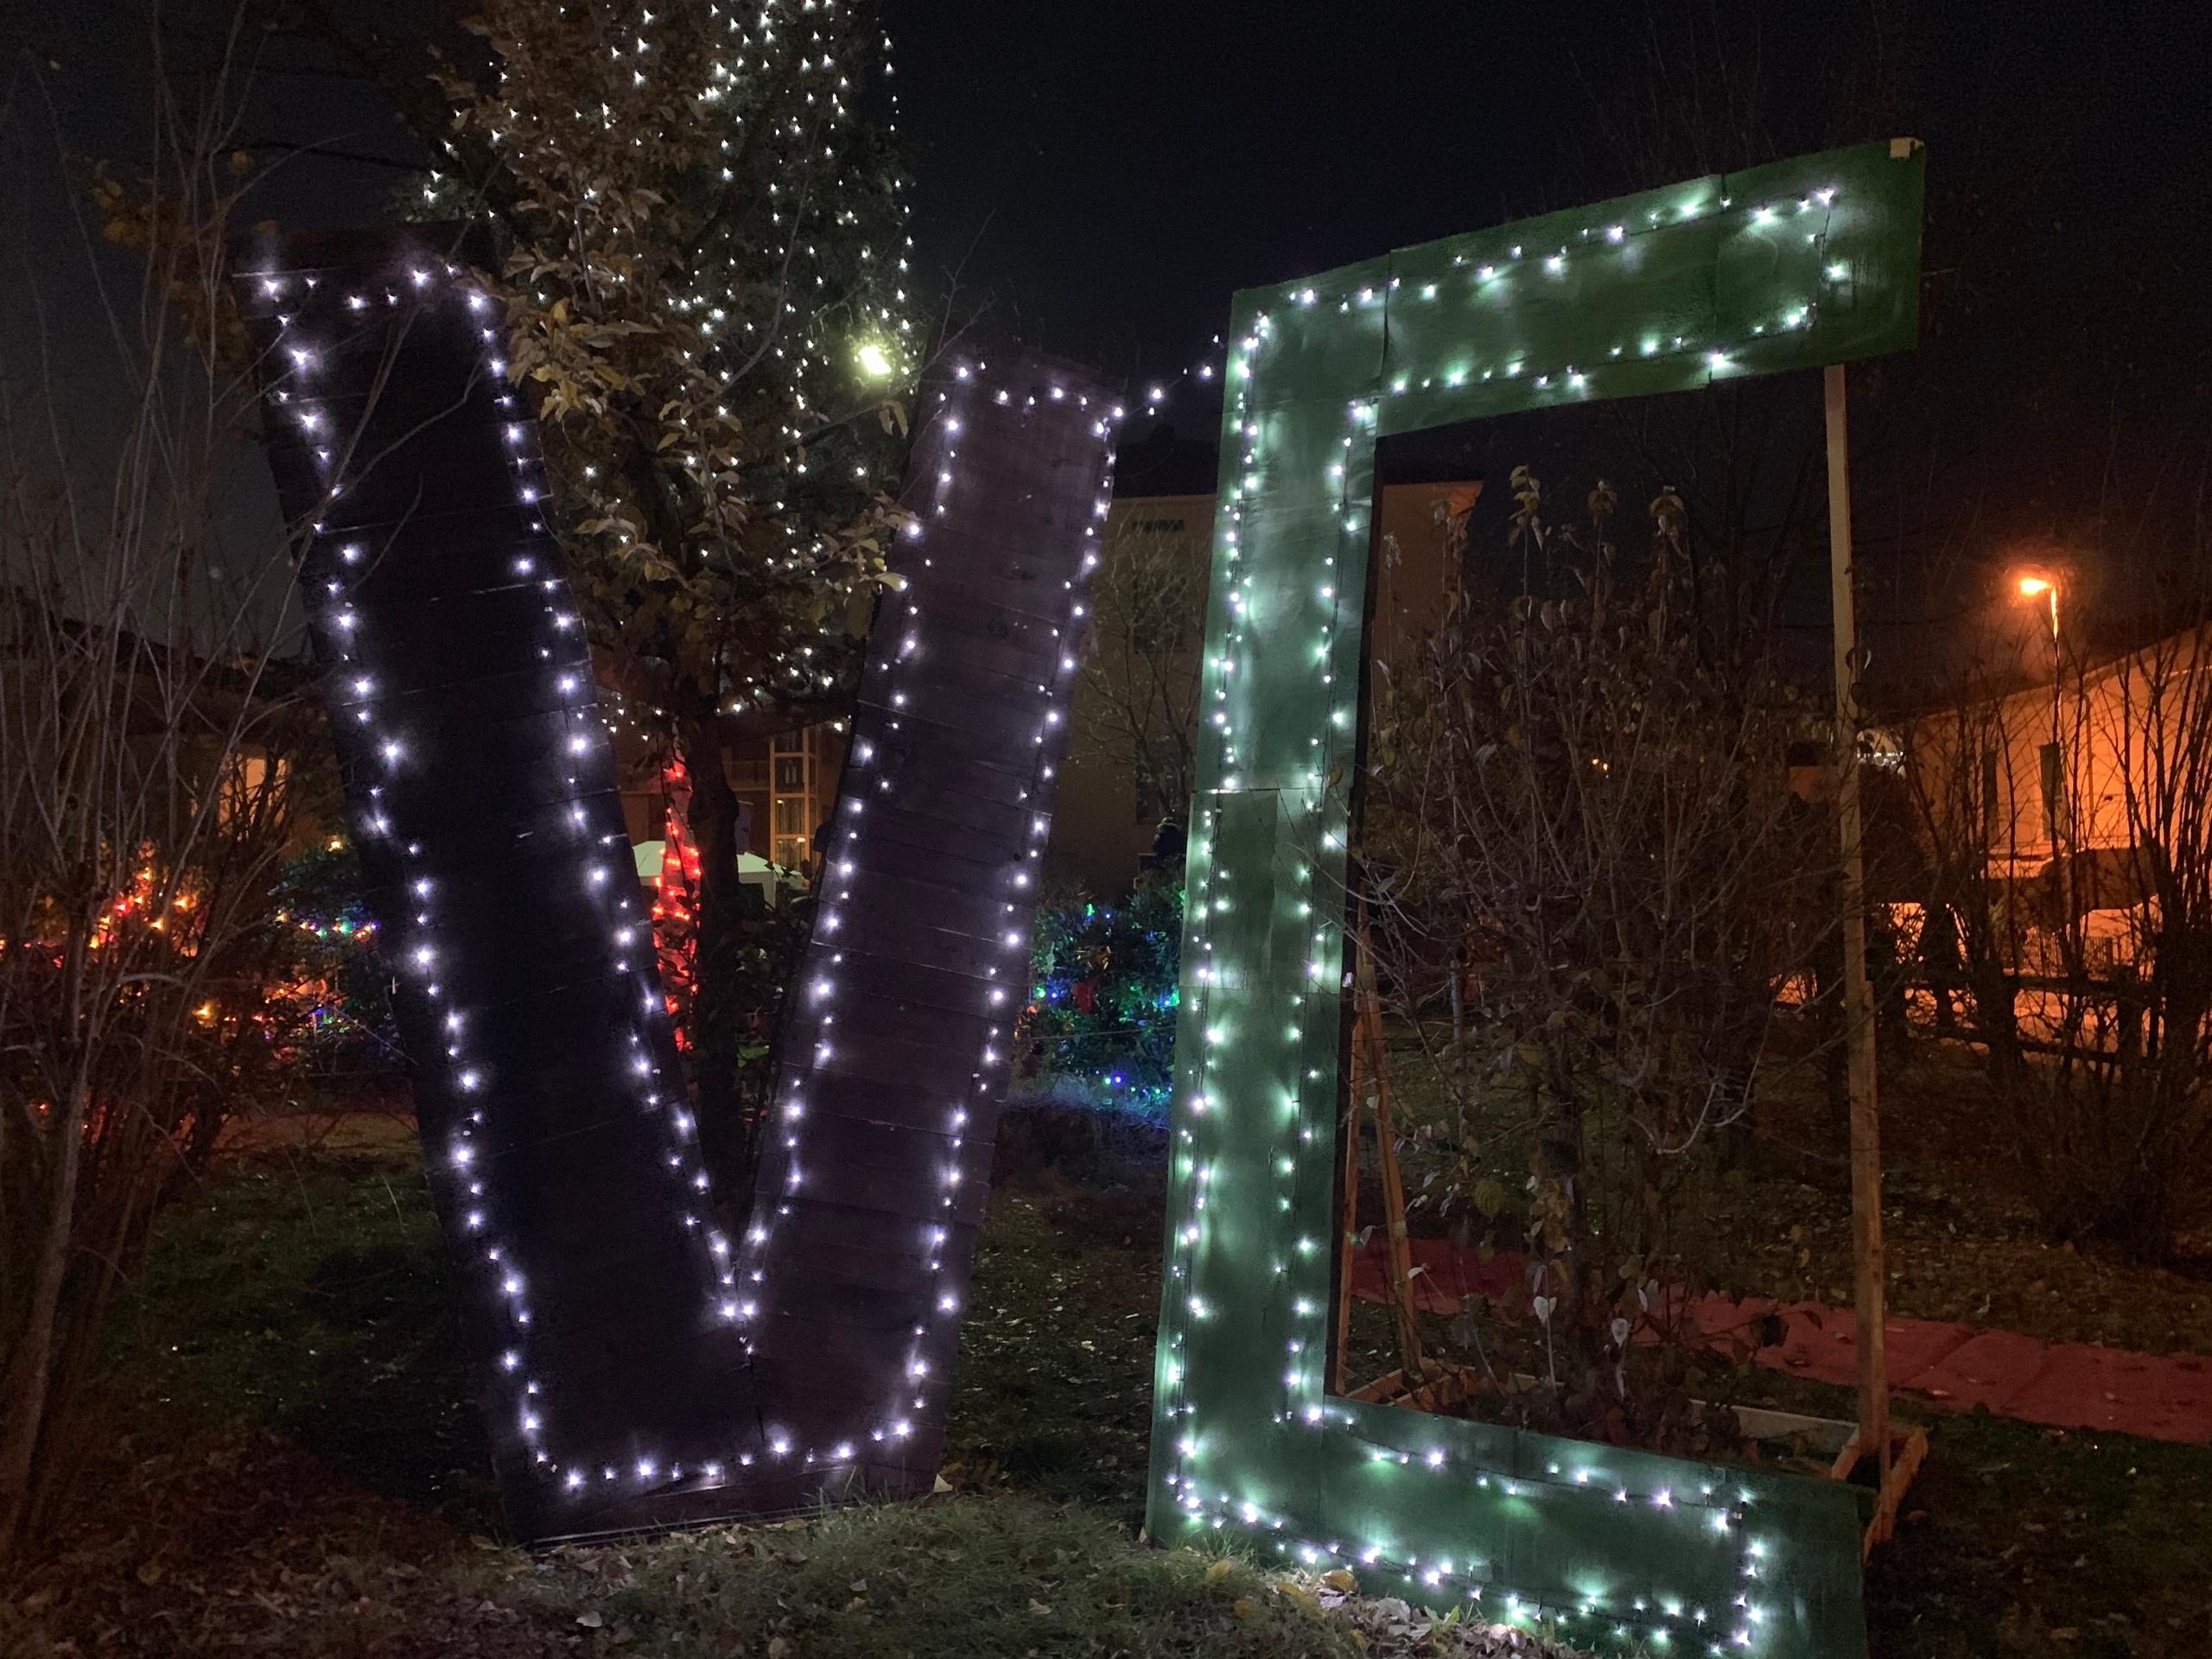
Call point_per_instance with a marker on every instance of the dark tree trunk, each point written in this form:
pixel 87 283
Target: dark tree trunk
pixel 717 830
pixel 26 1395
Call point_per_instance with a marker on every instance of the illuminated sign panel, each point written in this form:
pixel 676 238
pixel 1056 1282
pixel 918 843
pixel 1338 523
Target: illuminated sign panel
pixel 642 1368
pixel 1790 266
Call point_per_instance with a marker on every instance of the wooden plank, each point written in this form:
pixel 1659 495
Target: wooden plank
pixel 1910 1455
pixel 1858 989
pixel 1371 1065
pixel 1347 1237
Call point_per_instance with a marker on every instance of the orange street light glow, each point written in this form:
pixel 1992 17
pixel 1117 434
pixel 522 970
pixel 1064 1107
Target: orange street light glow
pixel 2034 586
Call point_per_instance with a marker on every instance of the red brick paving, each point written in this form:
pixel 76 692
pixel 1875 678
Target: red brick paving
pixel 2064 1384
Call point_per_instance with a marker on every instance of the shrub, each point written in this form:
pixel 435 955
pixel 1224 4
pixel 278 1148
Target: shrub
pixel 1101 1020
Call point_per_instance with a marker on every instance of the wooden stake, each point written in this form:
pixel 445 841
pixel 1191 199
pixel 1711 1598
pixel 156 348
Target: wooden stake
pixel 1372 1077
pixel 1348 1231
pixel 1370 1095
pixel 1858 992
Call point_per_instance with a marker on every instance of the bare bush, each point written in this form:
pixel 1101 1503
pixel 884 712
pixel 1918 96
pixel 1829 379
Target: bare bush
pixel 1592 881
pixel 150 779
pixel 2067 928
pixel 1140 704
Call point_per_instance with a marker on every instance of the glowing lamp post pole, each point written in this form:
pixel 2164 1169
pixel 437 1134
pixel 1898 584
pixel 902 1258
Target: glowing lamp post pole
pixel 2040 588
pixel 2046 589
pixel 1858 990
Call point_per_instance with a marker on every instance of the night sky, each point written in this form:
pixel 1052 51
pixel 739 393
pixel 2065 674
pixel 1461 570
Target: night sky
pixel 1100 178
pixel 1112 173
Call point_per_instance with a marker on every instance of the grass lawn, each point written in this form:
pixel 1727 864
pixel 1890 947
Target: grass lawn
pixel 288 1462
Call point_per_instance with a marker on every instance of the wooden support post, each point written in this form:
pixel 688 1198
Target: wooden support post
pixel 1912 1451
pixel 1347 1233
pixel 1370 1097
pixel 1858 992
pixel 1371 1082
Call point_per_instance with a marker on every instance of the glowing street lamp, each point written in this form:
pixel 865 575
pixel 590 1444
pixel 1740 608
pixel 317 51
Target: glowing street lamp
pixel 2042 588
pixel 2033 588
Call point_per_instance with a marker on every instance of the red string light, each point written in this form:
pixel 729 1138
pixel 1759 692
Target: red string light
pixel 676 929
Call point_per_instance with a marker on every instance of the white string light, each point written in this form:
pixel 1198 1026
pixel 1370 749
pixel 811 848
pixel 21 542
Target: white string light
pixel 1227 1028
pixel 888 706
pixel 423 946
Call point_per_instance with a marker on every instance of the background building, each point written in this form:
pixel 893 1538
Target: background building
pixel 786 783
pixel 1129 765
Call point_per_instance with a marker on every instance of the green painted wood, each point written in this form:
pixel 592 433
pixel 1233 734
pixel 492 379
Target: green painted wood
pixel 1790 266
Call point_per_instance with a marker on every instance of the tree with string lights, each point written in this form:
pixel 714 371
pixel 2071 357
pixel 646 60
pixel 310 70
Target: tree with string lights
pixel 706 255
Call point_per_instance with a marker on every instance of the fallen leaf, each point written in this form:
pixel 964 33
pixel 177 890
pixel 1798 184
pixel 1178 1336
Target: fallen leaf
pixel 590 1621
pixel 1244 1607
pixel 1038 1608
pixel 1219 1570
pixel 1305 1598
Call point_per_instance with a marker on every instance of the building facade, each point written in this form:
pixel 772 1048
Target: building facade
pixel 1135 712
